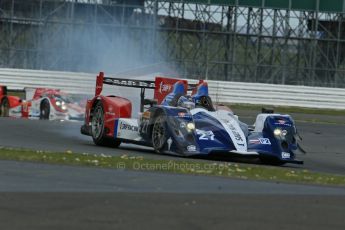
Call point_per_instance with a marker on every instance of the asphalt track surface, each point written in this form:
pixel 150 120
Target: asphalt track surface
pixel 42 196
pixel 324 143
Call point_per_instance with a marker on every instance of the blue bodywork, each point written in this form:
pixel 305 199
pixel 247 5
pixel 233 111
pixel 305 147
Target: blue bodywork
pixel 214 134
pixel 211 138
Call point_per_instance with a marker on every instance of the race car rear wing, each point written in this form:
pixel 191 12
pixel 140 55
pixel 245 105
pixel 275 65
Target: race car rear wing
pixel 161 90
pixel 134 83
pixel 146 84
pixel 101 79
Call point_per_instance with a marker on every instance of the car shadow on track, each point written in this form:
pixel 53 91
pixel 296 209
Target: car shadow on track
pixel 149 152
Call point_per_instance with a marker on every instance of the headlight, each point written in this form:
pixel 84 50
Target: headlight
pixel 277 132
pixel 190 126
pixel 61 104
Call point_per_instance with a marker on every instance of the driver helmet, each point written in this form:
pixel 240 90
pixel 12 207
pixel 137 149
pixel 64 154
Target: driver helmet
pixel 186 102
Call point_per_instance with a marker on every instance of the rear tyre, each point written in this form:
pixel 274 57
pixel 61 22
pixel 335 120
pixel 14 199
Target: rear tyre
pixel 44 110
pixel 97 128
pixel 159 134
pixel 4 107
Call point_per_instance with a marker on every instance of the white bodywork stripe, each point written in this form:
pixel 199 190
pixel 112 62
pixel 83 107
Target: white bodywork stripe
pixel 128 128
pixel 231 126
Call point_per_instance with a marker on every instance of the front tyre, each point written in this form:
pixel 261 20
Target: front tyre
pixel 4 107
pixel 159 134
pixel 44 110
pixel 97 128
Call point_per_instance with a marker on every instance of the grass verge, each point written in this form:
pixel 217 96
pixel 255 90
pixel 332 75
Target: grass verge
pixel 140 163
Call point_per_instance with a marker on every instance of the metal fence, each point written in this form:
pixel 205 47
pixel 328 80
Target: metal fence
pixel 282 42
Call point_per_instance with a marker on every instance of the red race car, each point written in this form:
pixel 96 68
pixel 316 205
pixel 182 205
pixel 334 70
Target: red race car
pixel 42 103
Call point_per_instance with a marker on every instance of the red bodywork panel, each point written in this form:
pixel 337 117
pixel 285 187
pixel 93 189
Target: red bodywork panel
pixel 164 86
pixel 114 107
pixel 13 100
pixel 39 92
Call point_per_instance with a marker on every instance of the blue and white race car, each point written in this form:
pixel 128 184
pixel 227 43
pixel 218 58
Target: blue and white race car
pixel 182 120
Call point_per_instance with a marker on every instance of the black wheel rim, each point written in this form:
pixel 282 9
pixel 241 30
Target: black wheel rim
pixel 97 123
pixel 158 134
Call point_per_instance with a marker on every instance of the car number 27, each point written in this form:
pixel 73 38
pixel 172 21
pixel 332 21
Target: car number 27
pixel 205 135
